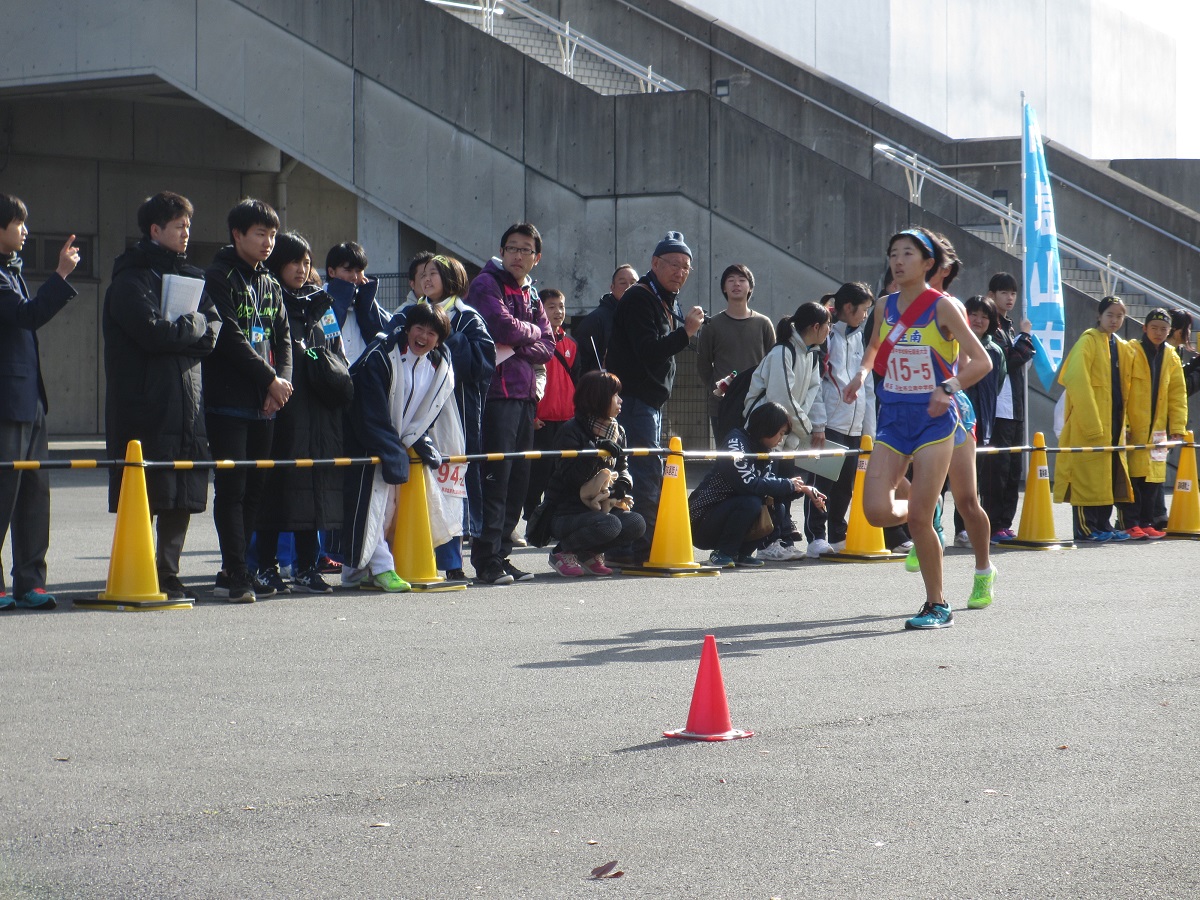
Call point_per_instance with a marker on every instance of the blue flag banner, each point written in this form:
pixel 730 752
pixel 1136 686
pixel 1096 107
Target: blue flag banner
pixel 1043 273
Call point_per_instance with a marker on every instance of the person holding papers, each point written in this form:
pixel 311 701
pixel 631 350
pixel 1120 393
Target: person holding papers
pixel 152 372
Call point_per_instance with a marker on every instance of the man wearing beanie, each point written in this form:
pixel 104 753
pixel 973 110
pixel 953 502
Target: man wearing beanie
pixel 648 330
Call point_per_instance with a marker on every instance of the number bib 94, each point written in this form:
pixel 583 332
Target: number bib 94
pixel 910 371
pixel 451 479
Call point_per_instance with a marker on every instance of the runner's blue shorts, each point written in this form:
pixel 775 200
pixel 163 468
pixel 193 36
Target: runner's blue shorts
pixel 907 427
pixel 966 419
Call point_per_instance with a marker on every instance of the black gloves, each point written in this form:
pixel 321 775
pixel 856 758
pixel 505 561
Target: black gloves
pixel 614 450
pixel 426 452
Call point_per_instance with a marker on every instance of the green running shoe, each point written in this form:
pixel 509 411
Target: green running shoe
pixel 911 563
pixel 982 593
pixel 388 581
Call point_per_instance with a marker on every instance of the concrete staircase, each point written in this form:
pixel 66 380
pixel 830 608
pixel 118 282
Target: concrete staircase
pixel 537 42
pixel 1073 273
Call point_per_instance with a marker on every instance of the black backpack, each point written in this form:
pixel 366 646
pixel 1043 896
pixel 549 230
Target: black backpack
pixel 729 412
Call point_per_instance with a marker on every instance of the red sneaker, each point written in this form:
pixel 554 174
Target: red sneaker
pixel 1136 534
pixel 1153 533
pixel 594 565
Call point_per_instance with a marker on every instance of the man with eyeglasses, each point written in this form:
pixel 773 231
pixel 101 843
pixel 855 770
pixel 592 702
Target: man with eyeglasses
pixel 648 330
pixel 504 295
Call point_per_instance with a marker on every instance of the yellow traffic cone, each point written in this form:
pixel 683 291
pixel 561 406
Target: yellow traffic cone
pixel 1184 521
pixel 412 541
pixel 1036 531
pixel 132 574
pixel 671 553
pixel 864 541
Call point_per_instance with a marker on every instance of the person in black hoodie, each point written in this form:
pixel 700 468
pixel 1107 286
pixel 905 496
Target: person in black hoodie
pixel 594 330
pixel 152 377
pixel 308 427
pixel 247 380
pixel 648 330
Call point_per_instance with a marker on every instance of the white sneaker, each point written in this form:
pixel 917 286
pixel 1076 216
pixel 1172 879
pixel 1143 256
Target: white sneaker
pixel 776 552
pixel 962 540
pixel 903 547
pixel 818 548
pixel 839 546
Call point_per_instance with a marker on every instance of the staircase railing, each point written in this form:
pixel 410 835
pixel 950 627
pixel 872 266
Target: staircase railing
pixel 568 41
pixel 918 173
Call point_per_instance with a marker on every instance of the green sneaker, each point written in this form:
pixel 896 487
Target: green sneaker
pixel 981 593
pixel 911 563
pixel 387 581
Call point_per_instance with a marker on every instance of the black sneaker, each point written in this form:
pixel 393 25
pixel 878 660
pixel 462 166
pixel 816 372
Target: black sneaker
pixel 241 588
pixel 269 582
pixel 327 566
pixel 221 589
pixel 517 574
pixel 176 589
pixel 456 575
pixel 493 574
pixel 311 582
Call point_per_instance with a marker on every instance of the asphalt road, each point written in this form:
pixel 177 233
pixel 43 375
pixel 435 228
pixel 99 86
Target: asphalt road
pixel 503 742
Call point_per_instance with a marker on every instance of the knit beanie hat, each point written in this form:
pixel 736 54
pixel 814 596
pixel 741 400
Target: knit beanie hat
pixel 672 243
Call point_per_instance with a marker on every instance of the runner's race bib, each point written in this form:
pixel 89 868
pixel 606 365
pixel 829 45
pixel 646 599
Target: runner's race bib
pixel 910 371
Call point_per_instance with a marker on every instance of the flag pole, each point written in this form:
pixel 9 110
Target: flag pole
pixel 1025 302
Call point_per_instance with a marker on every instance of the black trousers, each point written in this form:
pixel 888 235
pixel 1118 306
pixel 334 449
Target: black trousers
pixel 540 470
pixel 237 492
pixel 507 427
pixel 1000 475
pixel 25 503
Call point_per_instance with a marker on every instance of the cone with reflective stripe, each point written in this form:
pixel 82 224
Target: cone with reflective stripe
pixel 1036 531
pixel 1184 521
pixel 708 717
pixel 671 552
pixel 864 541
pixel 412 540
pixel 132 573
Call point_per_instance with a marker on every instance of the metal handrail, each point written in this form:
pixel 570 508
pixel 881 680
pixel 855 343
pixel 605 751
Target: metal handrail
pixel 918 173
pixel 569 40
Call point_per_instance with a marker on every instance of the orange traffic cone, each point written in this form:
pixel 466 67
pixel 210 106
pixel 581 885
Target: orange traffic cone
pixel 1184 521
pixel 671 553
pixel 412 541
pixel 132 574
pixel 1036 531
pixel 864 541
pixel 708 716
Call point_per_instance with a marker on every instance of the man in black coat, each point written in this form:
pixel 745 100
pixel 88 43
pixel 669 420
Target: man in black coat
pixel 25 496
pixel 152 373
pixel 594 331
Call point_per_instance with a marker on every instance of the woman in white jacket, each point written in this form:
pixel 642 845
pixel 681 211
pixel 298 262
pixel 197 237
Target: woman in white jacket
pixel 790 375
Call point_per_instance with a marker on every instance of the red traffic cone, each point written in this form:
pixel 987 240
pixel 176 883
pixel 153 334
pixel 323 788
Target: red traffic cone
pixel 708 717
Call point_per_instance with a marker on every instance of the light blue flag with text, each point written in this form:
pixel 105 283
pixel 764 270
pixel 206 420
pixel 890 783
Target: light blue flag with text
pixel 1043 273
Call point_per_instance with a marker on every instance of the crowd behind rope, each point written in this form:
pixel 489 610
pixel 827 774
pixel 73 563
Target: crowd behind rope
pixel 264 355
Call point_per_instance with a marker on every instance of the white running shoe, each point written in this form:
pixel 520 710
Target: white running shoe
pixel 839 546
pixel 818 548
pixel 776 552
pixel 962 539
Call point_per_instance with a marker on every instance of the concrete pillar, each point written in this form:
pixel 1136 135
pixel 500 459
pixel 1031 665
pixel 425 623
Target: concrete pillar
pixel 379 235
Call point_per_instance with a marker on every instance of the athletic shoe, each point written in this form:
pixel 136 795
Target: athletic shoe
pixel 388 581
pixel 1098 537
pixel 352 577
pixel 240 588
pixel 911 563
pixel 594 565
pixel 492 574
pixel 517 574
pixel 776 552
pixel 7 603
pixel 517 540
pixel 565 564
pixel 721 561
pixel 748 561
pixel 221 586
pixel 327 566
pixel 1118 536
pixel 174 588
pixel 38 598
pixel 456 575
pixel 931 616
pixel 311 582
pixel 962 539
pixel 1136 534
pixel 1003 536
pixel 982 591
pixel 839 546
pixel 1153 533
pixel 818 548
pixel 902 547
pixel 269 582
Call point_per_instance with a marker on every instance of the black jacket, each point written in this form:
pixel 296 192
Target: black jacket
pixel 733 477
pixel 238 373
pixel 152 376
pixel 593 333
pixel 20 317
pixel 1018 350
pixel 644 342
pixel 306 428
pixel 570 474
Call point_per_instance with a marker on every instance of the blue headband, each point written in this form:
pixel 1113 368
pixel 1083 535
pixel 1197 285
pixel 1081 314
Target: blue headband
pixel 924 239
